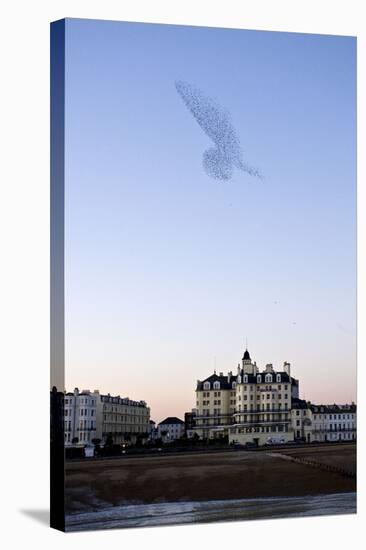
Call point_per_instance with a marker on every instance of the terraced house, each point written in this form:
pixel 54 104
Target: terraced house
pixel 324 422
pixel 125 420
pixel 90 415
pixel 261 406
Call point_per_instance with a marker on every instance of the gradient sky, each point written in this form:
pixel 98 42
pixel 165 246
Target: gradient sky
pixel 167 270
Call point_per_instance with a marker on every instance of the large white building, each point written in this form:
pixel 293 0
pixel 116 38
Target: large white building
pixel 90 415
pixel 261 406
pixel 82 417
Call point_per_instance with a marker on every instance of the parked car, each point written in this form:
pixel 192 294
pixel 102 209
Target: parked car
pixel 276 441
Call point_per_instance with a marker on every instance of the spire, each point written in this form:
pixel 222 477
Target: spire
pixel 246 356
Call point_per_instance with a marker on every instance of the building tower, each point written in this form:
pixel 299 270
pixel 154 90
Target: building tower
pixel 248 367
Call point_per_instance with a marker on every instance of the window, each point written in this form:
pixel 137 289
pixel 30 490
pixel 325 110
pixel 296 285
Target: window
pixel 268 377
pixel 216 385
pixel 259 379
pixel 245 380
pixel 206 385
pixel 278 378
pixel 234 384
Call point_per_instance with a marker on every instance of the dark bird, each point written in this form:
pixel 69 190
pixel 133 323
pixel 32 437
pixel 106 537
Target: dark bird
pixel 215 121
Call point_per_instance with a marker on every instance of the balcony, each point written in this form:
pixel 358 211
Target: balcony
pixel 262 411
pixel 212 415
pixel 262 422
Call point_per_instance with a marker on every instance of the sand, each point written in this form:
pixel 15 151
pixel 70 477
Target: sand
pixel 200 476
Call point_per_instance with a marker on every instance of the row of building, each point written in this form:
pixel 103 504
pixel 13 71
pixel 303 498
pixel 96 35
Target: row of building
pixel 250 406
pixel 91 416
pixel 260 406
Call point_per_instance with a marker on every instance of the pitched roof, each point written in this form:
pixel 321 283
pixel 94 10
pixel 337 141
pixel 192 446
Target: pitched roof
pixel 334 408
pixel 225 384
pixel 297 403
pixel 171 420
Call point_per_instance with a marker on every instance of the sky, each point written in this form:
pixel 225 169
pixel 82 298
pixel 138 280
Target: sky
pixel 168 271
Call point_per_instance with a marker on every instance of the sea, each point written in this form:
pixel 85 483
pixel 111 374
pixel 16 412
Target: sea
pixel 171 513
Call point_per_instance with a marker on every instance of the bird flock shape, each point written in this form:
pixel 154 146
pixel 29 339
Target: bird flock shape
pixel 219 161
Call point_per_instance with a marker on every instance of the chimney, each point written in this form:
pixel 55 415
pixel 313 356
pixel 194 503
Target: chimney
pixel 269 367
pixel 287 368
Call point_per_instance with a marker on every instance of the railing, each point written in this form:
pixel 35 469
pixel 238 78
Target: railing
pixel 262 411
pixel 214 415
pixel 263 422
pixel 334 430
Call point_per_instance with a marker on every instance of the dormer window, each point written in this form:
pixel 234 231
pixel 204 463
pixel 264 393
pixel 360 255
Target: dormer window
pixel 234 385
pixel 268 377
pixel 216 385
pixel 239 379
pixel 206 385
pixel 245 380
pixel 278 378
pixel 259 379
